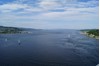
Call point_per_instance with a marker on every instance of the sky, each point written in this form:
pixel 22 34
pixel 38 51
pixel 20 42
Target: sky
pixel 50 14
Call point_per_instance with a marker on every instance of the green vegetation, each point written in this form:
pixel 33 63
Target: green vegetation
pixel 94 33
pixel 9 30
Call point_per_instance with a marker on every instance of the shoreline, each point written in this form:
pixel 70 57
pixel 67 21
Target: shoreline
pixel 21 32
pixel 89 35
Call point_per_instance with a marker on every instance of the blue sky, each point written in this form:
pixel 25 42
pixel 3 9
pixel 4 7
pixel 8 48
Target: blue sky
pixel 50 14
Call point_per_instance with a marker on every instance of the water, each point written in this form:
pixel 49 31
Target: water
pixel 49 48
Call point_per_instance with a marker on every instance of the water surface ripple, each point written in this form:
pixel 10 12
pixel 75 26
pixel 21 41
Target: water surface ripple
pixel 49 48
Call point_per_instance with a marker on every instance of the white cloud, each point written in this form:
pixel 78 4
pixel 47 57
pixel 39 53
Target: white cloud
pixel 46 5
pixel 12 7
pixel 72 12
pixel 31 9
pixel 54 4
pixel 49 5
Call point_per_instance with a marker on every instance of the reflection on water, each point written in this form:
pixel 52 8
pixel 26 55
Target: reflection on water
pixel 49 48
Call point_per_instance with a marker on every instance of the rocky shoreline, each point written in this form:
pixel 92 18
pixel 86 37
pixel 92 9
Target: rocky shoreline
pixel 89 35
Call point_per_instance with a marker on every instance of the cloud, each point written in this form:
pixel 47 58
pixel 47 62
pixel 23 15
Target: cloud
pixel 12 7
pixel 49 12
pixel 45 5
pixel 49 4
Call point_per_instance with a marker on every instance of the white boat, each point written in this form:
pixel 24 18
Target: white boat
pixel 69 36
pixel 6 40
pixel 19 41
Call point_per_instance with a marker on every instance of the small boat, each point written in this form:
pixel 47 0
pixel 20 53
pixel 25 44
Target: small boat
pixel 6 40
pixel 19 41
pixel 69 36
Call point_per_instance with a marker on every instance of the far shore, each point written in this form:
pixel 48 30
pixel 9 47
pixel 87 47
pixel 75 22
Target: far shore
pixel 21 32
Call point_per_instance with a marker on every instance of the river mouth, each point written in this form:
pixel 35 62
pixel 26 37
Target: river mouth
pixel 49 48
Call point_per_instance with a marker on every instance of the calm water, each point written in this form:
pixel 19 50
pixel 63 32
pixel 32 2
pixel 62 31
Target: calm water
pixel 49 48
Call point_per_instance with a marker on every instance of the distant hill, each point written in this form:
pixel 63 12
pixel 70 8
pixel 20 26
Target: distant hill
pixel 12 30
pixel 5 30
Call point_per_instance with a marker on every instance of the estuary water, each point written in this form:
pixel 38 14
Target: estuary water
pixel 49 48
